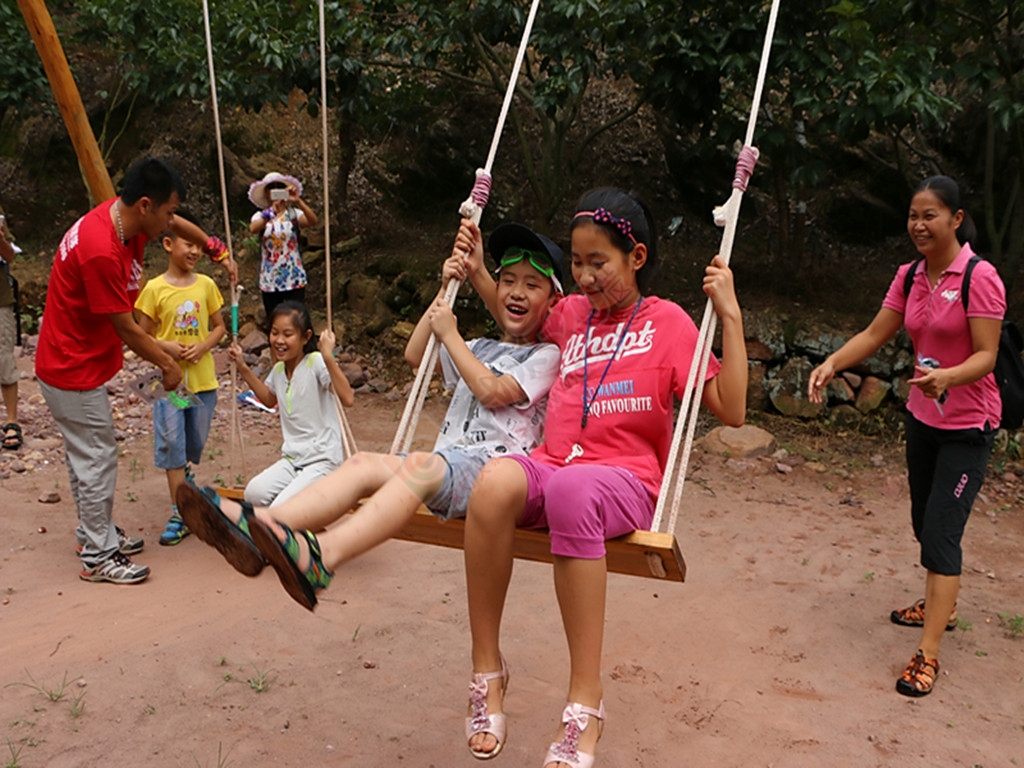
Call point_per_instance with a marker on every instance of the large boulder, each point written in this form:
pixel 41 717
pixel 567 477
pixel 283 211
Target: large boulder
pixel 744 442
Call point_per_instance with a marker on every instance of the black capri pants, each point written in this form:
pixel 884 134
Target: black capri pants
pixel 946 468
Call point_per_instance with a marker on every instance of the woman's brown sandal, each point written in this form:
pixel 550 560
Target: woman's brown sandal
pixel 919 676
pixel 913 616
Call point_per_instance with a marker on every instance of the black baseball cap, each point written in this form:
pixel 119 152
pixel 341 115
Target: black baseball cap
pixel 513 235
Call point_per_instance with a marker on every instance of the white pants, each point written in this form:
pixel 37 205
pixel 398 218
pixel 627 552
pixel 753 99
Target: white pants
pixel 282 480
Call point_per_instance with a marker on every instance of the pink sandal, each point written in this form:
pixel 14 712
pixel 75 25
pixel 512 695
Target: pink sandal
pixel 481 721
pixel 576 718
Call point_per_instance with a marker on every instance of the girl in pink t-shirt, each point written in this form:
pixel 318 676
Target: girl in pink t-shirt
pixel 954 405
pixel 624 356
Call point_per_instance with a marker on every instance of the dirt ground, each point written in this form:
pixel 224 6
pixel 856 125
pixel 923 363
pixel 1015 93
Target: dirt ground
pixel 777 651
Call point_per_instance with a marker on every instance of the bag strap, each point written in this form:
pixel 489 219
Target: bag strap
pixel 908 279
pixel 965 287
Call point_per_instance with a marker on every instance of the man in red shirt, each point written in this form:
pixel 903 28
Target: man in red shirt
pixel 88 316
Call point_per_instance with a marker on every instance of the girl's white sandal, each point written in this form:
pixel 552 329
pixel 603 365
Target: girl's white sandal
pixel 481 721
pixel 576 718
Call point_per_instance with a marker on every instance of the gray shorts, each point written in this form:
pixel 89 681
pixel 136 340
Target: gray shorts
pixel 8 333
pixel 464 464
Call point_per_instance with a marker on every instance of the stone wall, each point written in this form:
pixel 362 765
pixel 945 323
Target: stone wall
pixel 782 353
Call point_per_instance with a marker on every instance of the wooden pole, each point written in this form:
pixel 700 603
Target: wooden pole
pixel 40 25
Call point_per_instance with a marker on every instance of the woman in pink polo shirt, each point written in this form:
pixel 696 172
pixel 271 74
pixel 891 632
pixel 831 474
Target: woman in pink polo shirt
pixel 954 404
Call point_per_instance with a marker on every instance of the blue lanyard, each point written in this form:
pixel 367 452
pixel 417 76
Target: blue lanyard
pixel 588 404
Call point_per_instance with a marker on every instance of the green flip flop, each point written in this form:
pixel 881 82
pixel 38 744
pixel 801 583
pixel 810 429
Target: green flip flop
pixel 283 556
pixel 202 514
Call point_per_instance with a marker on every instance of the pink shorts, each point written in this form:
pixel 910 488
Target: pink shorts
pixel 583 505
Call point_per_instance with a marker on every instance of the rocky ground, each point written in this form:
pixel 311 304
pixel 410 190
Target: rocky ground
pixel 777 651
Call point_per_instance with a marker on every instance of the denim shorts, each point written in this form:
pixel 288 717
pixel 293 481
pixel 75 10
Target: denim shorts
pixel 464 464
pixel 179 435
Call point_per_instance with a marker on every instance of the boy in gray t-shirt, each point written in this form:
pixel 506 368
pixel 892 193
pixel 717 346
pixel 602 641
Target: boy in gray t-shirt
pixel 497 408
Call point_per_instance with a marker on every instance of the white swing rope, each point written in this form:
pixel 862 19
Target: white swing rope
pixel 471 208
pixel 237 443
pixel 348 443
pixel 675 471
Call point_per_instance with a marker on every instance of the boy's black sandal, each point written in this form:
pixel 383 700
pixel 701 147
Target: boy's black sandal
pixel 13 438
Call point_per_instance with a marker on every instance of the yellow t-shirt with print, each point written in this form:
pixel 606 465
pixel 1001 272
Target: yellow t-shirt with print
pixel 183 315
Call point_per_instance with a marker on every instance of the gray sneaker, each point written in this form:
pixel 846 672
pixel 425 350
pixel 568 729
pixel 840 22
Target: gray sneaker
pixel 117 569
pixel 126 545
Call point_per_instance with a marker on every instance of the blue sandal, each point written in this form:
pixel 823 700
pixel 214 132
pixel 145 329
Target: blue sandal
pixel 283 556
pixel 200 509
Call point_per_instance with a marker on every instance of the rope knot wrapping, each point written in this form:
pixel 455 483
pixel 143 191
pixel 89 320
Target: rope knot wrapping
pixel 745 167
pixel 744 170
pixel 478 196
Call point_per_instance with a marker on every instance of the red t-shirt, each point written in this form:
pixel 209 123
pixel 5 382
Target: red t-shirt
pixel 630 420
pixel 94 275
pixel 938 327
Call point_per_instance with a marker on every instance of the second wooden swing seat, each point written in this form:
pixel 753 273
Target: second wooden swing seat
pixel 641 553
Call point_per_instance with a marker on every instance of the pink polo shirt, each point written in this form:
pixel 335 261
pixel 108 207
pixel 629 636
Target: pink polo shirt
pixel 938 328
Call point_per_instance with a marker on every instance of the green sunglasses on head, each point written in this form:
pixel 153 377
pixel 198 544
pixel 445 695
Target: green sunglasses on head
pixel 538 260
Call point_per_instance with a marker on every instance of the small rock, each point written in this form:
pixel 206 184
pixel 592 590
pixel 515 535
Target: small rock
pixel 738 465
pixel 784 469
pixel 49 497
pixel 41 529
pixel 369 664
pixel 878 460
pixel 17 466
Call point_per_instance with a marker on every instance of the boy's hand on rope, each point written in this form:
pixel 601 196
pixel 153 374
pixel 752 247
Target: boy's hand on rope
pixel 469 244
pixel 219 254
pixel 456 267
pixel 719 287
pixel 442 320
pixel 327 342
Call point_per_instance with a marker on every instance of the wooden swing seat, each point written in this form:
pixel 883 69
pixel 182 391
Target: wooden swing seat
pixel 641 553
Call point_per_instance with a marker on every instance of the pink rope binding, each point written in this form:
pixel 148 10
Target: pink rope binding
pixel 481 189
pixel 745 167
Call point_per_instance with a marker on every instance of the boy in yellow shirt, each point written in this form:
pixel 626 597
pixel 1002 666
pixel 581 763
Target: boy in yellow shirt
pixel 181 309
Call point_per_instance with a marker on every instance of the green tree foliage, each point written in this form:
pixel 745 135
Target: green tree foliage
pixel 901 84
pixel 23 83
